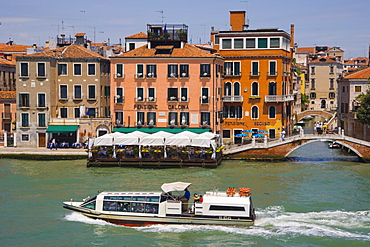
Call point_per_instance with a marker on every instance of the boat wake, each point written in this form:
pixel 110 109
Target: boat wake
pixel 274 222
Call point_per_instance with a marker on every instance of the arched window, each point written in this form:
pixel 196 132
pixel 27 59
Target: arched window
pixel 272 112
pixel 239 112
pixel 272 88
pixel 254 112
pixel 254 88
pixel 226 112
pixel 227 89
pixel 232 111
pixel 236 88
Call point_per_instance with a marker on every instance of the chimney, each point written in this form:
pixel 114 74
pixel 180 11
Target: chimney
pixel 237 20
pixel 34 46
pixel 291 35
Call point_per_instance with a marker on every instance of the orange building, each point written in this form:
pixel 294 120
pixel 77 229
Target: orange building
pixel 166 83
pixel 258 91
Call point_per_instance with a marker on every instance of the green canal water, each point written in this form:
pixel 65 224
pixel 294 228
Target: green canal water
pixel 320 197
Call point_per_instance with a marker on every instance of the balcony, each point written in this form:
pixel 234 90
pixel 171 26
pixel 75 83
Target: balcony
pixel 167 33
pixel 232 74
pixel 232 99
pixel 278 98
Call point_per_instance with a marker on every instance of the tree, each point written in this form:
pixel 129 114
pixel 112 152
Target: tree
pixel 363 112
pixel 304 100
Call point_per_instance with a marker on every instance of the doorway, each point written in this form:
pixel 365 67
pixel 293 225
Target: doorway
pixel 42 140
pixel 237 140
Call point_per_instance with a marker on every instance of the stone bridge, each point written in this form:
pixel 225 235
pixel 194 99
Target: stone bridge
pixel 279 150
pixel 306 113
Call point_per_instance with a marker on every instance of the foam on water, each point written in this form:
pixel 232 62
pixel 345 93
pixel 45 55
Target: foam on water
pixel 274 222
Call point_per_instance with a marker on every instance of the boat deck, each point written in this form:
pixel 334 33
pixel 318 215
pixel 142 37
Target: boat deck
pixel 153 161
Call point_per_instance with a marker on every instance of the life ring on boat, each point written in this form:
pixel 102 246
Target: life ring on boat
pixel 244 191
pixel 230 191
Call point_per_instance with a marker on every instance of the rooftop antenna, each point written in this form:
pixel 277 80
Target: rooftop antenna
pixel 246 10
pixel 63 27
pixel 161 11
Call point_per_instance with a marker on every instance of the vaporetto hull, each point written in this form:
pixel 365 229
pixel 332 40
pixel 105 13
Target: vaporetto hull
pixel 148 208
pixel 127 220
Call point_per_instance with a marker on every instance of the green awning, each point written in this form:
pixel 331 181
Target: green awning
pixel 61 128
pixel 155 130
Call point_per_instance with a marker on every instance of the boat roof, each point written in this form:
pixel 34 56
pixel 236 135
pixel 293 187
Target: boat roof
pixel 130 193
pixel 176 186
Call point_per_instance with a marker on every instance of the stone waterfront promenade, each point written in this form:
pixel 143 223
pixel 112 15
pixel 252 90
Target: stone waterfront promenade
pixel 42 153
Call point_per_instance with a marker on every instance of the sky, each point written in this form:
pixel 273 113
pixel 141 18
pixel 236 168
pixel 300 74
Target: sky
pixel 341 23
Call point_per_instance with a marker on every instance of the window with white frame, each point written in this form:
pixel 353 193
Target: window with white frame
pixel 236 88
pixel 226 43
pixel 205 95
pixel 254 88
pixel 232 112
pixel 41 69
pixel 91 92
pixel 172 118
pixel 250 43
pixel 151 118
pixel 272 68
pixel 184 118
pixel 227 89
pixel 255 68
pixel 239 112
pixel 25 119
pixel 184 94
pixel 272 112
pixel 24 100
pixel 139 70
pixel 139 94
pixel 119 118
pixel 205 118
pixel 173 71
pixel 91 111
pixel 91 69
pixel 77 69
pixel 151 70
pixel 119 70
pixel 63 91
pixel 41 100
pixel 76 112
pixel 184 70
pixel 272 88
pixel 262 42
pixel 25 137
pixel 62 69
pixel 238 43
pixel 205 70
pixel 274 42
pixel 172 94
pixel 24 69
pixel 63 112
pixel 140 118
pixel 151 94
pixel 77 92
pixel 41 119
pixel 119 95
pixel 232 68
pixel 254 112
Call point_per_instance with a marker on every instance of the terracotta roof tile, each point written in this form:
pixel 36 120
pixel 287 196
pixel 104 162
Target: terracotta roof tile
pixel 305 50
pixel 13 48
pixel 362 74
pixel 187 51
pixel 140 35
pixel 8 95
pixel 7 62
pixel 324 60
pixel 71 51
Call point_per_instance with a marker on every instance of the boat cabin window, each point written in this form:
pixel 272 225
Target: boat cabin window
pixel 138 198
pixel 152 199
pixel 110 197
pixel 123 198
pixel 133 198
pixel 90 205
pixel 134 207
pixel 226 208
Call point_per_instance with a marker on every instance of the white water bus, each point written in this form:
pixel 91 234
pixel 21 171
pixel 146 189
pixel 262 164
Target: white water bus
pixel 230 207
